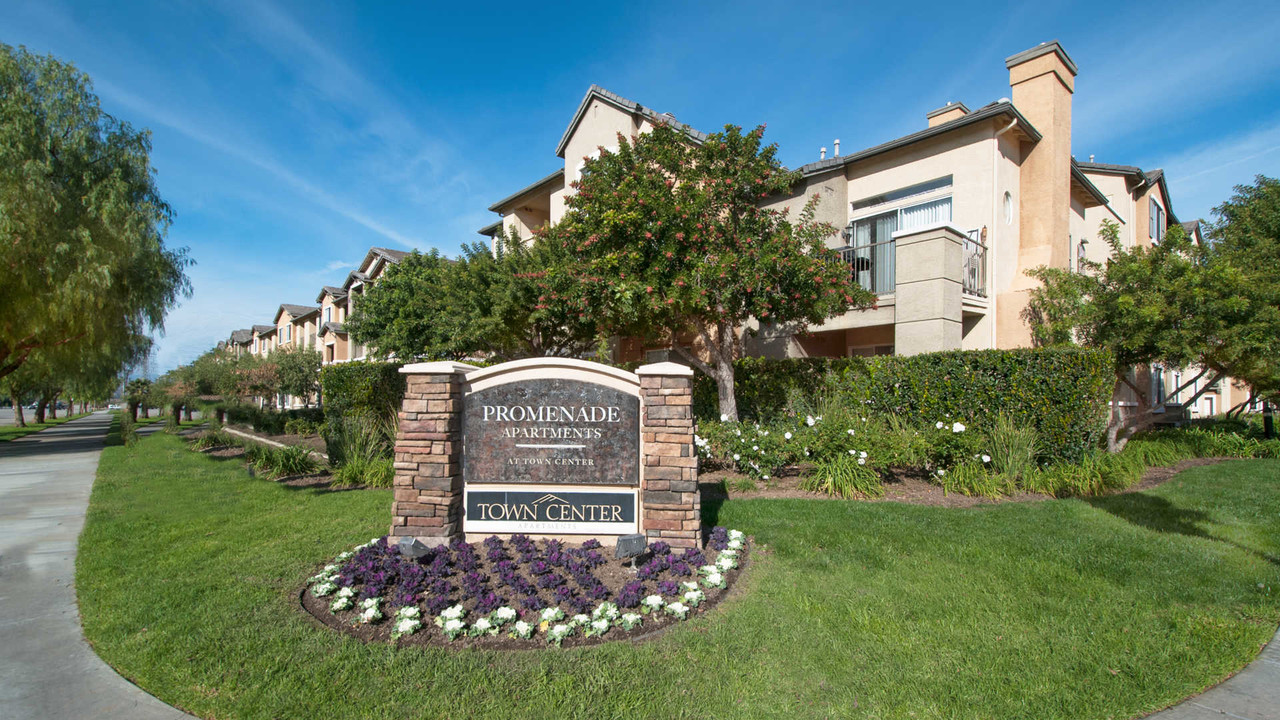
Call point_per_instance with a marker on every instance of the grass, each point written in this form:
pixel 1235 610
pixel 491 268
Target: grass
pixel 9 432
pixel 188 571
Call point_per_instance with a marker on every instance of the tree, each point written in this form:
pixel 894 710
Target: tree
pixel 137 393
pixel 408 313
pixel 1177 304
pixel 298 371
pixel 496 302
pixel 665 239
pixel 82 224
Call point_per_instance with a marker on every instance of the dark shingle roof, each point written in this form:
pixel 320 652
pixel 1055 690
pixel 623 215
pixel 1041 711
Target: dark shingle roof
pixel 556 178
pixel 337 293
pixel 332 327
pixel 296 311
pixel 241 337
pixel 394 256
pixel 595 91
pixel 264 329
pixel 1078 176
pixel 491 229
pixel 987 112
pixel 352 277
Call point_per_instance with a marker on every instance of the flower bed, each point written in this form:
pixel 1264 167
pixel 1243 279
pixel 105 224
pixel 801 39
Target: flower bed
pixel 520 592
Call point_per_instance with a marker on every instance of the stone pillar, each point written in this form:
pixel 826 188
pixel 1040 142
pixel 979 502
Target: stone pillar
pixel 669 498
pixel 928 314
pixel 428 450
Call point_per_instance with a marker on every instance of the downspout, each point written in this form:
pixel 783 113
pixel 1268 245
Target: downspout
pixel 995 222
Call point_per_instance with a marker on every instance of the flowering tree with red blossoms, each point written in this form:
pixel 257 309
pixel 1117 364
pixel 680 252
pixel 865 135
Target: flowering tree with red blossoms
pixel 669 242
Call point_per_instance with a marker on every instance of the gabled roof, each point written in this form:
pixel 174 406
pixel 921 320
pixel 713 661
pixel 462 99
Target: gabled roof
pixel 994 110
pixel 332 327
pixel 491 229
pixel 337 293
pixel 1080 180
pixel 555 179
pixel 241 337
pixel 264 329
pixel 595 92
pixel 376 253
pixel 353 277
pixel 297 312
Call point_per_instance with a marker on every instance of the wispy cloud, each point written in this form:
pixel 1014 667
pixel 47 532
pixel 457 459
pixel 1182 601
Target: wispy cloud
pixel 1204 176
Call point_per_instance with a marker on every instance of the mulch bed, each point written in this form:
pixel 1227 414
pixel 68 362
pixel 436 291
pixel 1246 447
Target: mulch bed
pixel 913 487
pixel 315 442
pixel 319 480
pixel 613 574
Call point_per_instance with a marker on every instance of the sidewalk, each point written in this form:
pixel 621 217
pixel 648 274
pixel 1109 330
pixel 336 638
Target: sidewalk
pixel 47 670
pixel 1251 694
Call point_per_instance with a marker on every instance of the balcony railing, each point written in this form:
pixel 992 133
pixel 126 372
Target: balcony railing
pixel 871 266
pixel 974 275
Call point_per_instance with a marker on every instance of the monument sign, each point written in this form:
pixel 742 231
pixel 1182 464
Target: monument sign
pixel 546 447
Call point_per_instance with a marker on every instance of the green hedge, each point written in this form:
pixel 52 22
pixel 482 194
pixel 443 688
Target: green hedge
pixel 271 422
pixel 1063 392
pixel 361 389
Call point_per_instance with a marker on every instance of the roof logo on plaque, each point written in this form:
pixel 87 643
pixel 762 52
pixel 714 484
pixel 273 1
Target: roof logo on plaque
pixel 549 498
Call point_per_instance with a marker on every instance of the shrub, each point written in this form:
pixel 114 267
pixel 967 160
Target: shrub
pixel 360 450
pixel 1012 447
pixel 301 426
pixel 274 463
pixel 842 476
pixel 212 439
pixel 358 389
pixel 1061 392
pixel 128 429
pixel 975 479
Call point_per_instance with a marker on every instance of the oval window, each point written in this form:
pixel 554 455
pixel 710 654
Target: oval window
pixel 1008 207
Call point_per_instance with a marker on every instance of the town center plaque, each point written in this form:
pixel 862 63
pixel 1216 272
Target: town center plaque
pixel 548 431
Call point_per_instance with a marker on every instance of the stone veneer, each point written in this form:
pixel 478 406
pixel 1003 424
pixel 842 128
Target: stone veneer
pixel 671 505
pixel 428 455
pixel 428 484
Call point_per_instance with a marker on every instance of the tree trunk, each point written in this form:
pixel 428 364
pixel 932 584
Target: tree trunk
pixel 186 411
pixel 40 408
pixel 146 412
pixel 222 415
pixel 53 408
pixel 175 411
pixel 18 419
pixel 133 411
pixel 724 387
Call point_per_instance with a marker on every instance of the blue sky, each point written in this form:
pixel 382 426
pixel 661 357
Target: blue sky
pixel 291 136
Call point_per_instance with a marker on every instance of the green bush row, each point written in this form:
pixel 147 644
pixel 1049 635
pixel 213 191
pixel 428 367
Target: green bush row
pixel 1062 392
pixel 361 389
pixel 273 422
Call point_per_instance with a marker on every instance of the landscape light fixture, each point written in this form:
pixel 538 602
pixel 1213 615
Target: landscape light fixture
pixel 630 546
pixel 412 548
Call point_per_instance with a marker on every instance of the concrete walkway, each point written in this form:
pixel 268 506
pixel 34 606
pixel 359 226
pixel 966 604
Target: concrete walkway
pixel 47 670
pixel 1251 694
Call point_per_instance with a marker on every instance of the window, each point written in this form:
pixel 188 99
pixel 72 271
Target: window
pixel 328 314
pixel 1156 222
pixel 870 350
pixel 1008 208
pixel 1082 254
pixel 871 255
pixel 906 192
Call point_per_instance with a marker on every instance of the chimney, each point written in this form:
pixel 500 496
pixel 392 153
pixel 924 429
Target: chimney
pixel 1043 80
pixel 822 153
pixel 946 113
pixel 836 152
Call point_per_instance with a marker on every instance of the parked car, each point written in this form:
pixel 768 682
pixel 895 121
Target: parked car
pixel 114 406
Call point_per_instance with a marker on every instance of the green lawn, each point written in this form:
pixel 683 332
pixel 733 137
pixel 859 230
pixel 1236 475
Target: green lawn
pixel 9 432
pixel 188 572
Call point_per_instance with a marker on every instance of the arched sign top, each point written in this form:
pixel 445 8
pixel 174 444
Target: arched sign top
pixel 552 367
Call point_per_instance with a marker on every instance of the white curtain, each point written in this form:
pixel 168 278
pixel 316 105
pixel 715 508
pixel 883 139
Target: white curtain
pixel 937 211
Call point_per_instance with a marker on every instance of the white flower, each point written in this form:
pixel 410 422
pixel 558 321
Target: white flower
pixel 340 603
pixel 729 552
pixel 726 563
pixel 558 633
pixel 737 432
pixel 652 602
pixel 454 628
pixel 409 612
pixel 736 456
pixel 714 580
pixel 941 472
pixel 630 620
pixel 605 610
pixel 862 453
pixel 735 535
pixel 764 477
pixel 370 615
pixel 808 420
pixel 862 461
pixel 346 592
pixel 551 614
pixel 453 612
pixel 735 543
pixel 689 585
pixel 580 619
pixel 599 627
pixel 850 431
pixel 521 629
pixel 708 569
pixel 786 435
pixel 853 452
pixel 322 589
pixel 406 626
pixel 505 614
pixel 957 427
pixel 939 425
pixel 694 597
pixel 764 434
pixel 864 419
pixel 986 458
pixel 724 417
pixel 678 609
pixel 482 625
pixel 755 447
pixel 806 452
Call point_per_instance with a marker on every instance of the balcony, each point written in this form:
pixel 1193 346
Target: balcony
pixel 873 266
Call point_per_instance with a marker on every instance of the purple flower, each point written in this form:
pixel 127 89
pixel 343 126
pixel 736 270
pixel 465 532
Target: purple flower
pixel 668 587
pixel 630 595
pixel 660 548
pixel 532 602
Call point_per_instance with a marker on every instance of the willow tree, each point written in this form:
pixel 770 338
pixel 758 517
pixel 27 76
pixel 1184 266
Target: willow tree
pixel 668 241
pixel 82 224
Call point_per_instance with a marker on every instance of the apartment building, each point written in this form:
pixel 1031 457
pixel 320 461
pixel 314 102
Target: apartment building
pixel 942 224
pixel 239 343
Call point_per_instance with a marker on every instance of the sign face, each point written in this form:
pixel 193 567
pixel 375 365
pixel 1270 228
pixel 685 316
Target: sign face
pixel 550 510
pixel 548 431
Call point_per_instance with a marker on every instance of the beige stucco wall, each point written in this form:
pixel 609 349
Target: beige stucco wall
pixel 599 127
pixel 1120 201
pixel 832 190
